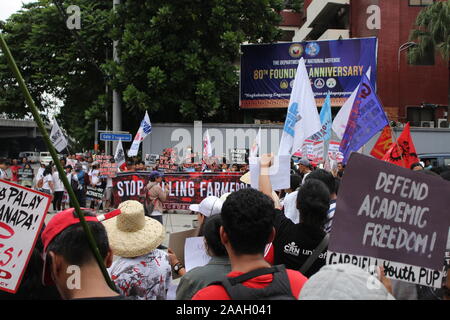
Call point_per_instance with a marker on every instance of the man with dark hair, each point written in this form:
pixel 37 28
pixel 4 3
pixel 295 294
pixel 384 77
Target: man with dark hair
pixel 247 226
pixel 300 246
pixel 327 178
pixel 69 262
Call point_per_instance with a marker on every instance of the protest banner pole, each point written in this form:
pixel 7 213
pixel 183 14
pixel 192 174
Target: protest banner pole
pixel 62 175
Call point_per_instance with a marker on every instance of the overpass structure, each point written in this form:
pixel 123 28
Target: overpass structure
pixel 17 135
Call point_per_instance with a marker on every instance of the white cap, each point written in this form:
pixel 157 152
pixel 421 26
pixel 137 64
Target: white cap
pixel 208 207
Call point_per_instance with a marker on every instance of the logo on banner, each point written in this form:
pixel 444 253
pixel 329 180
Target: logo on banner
pixel 291 119
pixel 296 50
pixel 312 49
pixel 331 83
pixel 284 84
pixel 319 83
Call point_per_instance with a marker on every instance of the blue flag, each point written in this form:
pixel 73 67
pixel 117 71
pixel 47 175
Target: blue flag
pixel 326 122
pixel 366 119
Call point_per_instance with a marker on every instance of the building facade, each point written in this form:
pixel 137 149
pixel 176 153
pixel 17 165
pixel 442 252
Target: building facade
pixel 415 93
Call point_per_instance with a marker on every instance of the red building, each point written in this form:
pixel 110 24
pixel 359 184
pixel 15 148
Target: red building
pixel 416 93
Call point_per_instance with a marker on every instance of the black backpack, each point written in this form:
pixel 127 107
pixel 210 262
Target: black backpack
pixel 278 289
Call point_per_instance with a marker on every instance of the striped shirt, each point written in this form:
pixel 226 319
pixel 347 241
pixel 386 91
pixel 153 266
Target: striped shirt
pixel 330 215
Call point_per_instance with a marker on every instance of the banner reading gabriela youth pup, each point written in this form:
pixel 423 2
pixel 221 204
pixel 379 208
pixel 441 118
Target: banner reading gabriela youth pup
pixel 184 188
pixel 336 66
pixel 391 216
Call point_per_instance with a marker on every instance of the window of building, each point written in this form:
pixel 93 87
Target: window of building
pixel 420 3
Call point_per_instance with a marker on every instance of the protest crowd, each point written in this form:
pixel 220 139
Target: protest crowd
pixel 261 244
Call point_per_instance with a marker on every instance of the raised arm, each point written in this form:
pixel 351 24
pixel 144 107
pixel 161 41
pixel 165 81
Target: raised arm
pixel 264 180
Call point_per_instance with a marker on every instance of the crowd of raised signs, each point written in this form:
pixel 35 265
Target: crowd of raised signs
pixel 259 244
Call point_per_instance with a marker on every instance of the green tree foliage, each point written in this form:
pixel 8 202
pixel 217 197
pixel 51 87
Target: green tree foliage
pixel 432 32
pixel 56 66
pixel 179 59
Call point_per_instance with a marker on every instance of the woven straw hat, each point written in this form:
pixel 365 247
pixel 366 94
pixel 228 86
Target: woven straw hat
pixel 131 233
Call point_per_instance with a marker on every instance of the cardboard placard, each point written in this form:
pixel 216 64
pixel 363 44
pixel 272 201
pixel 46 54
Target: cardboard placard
pixel 394 216
pixel 177 242
pixel 22 214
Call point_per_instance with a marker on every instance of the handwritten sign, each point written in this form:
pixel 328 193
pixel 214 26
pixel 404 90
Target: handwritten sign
pixel 195 254
pixel 106 168
pixel 389 215
pixel 177 242
pixel 22 214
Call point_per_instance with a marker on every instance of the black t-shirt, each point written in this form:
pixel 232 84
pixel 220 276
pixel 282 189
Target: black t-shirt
pixel 294 243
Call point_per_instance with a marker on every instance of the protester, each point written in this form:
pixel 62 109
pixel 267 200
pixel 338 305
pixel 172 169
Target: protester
pixel 26 176
pixel 304 167
pixel 65 246
pixel 39 175
pixel 300 246
pixel 157 195
pixel 247 218
pixel 4 166
pixel 47 181
pixel 217 268
pixel 142 271
pixel 81 192
pixel 290 200
pixel 208 207
pixel 15 167
pixel 58 190
pixel 341 169
pixel 346 282
pixel 95 182
pixel 327 178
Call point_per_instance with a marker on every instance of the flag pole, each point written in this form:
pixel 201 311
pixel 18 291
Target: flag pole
pixel 62 175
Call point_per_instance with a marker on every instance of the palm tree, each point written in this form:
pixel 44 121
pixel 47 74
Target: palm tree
pixel 432 33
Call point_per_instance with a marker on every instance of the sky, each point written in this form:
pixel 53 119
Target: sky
pixel 8 7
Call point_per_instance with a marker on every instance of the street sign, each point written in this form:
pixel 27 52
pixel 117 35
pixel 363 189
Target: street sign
pixel 111 136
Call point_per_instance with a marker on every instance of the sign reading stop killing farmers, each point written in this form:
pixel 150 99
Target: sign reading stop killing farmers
pixel 388 215
pixel 22 214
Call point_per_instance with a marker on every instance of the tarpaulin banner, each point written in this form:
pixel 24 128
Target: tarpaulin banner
pixel 184 188
pixel 335 66
pixel 392 216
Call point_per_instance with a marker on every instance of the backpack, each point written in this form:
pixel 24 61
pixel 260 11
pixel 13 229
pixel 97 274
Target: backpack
pixel 278 289
pixel 74 183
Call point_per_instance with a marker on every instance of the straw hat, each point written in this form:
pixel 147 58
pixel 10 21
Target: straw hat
pixel 132 234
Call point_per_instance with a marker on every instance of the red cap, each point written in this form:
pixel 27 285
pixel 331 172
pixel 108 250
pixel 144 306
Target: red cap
pixel 61 221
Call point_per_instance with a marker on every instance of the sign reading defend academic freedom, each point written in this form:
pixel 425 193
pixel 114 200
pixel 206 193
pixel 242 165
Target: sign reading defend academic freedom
pixel 391 216
pixel 22 214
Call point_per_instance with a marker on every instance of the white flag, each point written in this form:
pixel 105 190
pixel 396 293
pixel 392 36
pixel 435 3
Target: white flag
pixel 302 119
pixel 256 145
pixel 57 137
pixel 144 130
pixel 207 148
pixel 119 156
pixel 341 119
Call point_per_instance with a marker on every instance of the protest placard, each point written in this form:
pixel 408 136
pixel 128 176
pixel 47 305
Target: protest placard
pixel 195 254
pixel 26 177
pixel 238 156
pixel 22 214
pixel 177 242
pixel 393 216
pixel 95 192
pixel 279 172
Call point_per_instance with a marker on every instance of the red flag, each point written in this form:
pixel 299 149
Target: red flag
pixel 383 144
pixel 403 153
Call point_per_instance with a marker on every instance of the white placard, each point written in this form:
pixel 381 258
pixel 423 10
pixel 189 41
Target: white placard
pixel 279 172
pixel 22 214
pixel 195 254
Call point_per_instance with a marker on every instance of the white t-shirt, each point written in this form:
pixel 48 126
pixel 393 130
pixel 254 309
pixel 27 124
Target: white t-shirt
pixel 59 186
pixel 109 183
pixel 95 180
pixel 290 207
pixel 48 178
